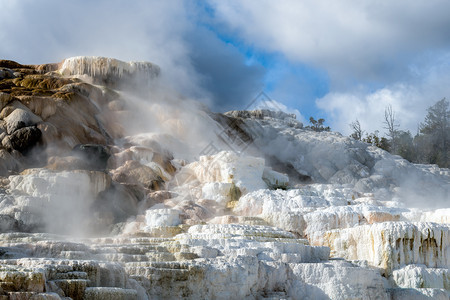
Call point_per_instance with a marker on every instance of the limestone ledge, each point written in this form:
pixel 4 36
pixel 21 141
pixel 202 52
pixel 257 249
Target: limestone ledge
pixel 108 71
pixel 221 261
pixel 390 245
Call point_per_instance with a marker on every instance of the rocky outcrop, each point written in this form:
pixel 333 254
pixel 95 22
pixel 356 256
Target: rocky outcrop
pixel 133 172
pixel 20 117
pixel 94 156
pixel 66 125
pixel 265 114
pixel 197 205
pixel 6 73
pixel 390 245
pixel 109 71
pixel 45 109
pixel 23 139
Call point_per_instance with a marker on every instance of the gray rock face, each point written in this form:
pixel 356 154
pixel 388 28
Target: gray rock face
pixel 95 156
pixel 22 139
pixel 8 223
pixel 8 163
pixel 20 118
pixel 6 73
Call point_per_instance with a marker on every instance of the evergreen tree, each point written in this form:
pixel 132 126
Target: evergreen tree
pixel 405 146
pixel 317 125
pixel 433 143
pixel 375 140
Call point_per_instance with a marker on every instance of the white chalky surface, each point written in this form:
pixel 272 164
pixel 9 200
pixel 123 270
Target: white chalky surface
pixel 350 221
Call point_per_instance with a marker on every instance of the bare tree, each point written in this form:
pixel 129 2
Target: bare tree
pixel 357 131
pixel 391 126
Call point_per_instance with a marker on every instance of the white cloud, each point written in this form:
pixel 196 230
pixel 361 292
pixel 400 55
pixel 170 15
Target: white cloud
pixel 409 102
pixel 353 40
pixel 376 53
pixel 400 45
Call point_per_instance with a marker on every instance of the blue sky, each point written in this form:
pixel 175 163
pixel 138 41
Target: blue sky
pixel 294 84
pixel 339 60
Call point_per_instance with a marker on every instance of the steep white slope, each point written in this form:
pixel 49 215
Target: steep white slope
pixel 108 69
pixel 389 245
pixel 58 202
pixel 333 158
pixel 213 222
pixel 419 276
pixel 208 261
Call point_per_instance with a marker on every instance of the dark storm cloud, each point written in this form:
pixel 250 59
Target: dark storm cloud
pixel 231 82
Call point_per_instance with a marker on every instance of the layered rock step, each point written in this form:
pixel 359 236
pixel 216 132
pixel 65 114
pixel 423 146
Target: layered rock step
pixel 390 245
pixel 57 277
pixel 223 261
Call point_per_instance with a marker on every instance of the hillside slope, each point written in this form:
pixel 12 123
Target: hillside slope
pixel 116 187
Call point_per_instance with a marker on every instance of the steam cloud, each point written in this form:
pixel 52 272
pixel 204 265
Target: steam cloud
pixel 166 33
pixel 370 52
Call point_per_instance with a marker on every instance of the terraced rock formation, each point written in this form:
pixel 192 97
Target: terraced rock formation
pixel 113 187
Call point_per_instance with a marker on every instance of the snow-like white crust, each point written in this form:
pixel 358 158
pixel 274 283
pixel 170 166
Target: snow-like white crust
pixel 220 224
pixel 104 67
pixel 389 245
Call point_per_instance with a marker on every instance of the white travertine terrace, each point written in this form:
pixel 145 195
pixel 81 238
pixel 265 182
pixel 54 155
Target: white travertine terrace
pixel 300 215
pixel 390 245
pixel 105 68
